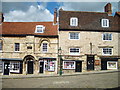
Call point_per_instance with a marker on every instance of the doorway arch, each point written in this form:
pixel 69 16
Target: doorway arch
pixel 29 64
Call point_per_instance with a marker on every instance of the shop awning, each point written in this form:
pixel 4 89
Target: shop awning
pixel 11 59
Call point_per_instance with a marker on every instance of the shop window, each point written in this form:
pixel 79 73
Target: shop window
pixel 68 64
pixel 111 64
pixel 49 65
pixel 15 67
pixel 1 66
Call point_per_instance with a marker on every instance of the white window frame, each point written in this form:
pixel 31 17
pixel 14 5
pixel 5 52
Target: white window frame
pixel 73 21
pixel 68 67
pixel 107 54
pixel 107 37
pixel 74 38
pixel 39 26
pixel 105 21
pixel 15 47
pixel 75 53
pixel 1 66
pixel 12 67
pixel 115 62
pixel 43 48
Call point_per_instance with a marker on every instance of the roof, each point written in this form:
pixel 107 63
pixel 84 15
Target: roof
pixel 28 28
pixel 87 21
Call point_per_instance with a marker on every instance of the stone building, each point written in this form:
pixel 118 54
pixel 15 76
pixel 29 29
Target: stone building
pixel 89 40
pixel 28 48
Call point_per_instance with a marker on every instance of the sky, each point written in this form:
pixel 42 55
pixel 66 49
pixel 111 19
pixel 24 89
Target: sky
pixel 43 11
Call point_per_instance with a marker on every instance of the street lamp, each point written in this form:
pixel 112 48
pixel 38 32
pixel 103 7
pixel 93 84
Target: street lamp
pixel 60 60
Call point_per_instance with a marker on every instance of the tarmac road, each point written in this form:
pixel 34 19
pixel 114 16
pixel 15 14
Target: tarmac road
pixel 100 80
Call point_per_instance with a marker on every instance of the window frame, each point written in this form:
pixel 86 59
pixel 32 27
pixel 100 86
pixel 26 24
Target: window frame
pixel 68 67
pixel 115 62
pixel 107 54
pixel 1 66
pixel 46 48
pixel 107 37
pixel 39 26
pixel 74 52
pixel 73 21
pixel 74 38
pixel 1 46
pixel 12 67
pixel 18 48
pixel 106 21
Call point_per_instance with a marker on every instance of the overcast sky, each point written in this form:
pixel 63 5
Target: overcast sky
pixel 43 11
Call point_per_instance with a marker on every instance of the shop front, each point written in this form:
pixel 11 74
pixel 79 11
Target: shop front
pixel 47 65
pixel 72 66
pixel 109 63
pixel 11 66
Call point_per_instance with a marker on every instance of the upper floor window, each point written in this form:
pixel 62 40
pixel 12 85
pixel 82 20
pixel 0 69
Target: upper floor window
pixel 74 51
pixel 107 36
pixel 74 35
pixel 17 46
pixel 1 46
pixel 44 47
pixel 73 21
pixel 105 23
pixel 39 29
pixel 107 51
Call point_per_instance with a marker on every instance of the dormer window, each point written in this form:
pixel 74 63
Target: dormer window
pixel 73 21
pixel 105 23
pixel 39 29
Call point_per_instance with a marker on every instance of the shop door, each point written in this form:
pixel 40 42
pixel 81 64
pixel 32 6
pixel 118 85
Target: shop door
pixel 30 67
pixel 90 62
pixel 78 66
pixel 103 65
pixel 41 67
pixel 6 68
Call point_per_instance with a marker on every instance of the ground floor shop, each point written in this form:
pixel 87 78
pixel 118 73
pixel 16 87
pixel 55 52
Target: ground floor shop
pixel 28 66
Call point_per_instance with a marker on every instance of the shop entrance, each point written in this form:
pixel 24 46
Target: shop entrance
pixel 6 68
pixel 90 62
pixel 78 66
pixel 103 65
pixel 41 67
pixel 30 67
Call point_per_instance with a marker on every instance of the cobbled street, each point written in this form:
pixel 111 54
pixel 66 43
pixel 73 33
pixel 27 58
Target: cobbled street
pixel 101 80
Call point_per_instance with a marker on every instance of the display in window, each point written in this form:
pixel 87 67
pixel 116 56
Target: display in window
pixel 68 65
pixel 112 65
pixel 49 65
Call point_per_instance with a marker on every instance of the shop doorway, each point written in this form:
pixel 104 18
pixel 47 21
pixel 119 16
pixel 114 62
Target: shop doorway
pixel 6 68
pixel 78 66
pixel 103 65
pixel 90 62
pixel 41 67
pixel 30 67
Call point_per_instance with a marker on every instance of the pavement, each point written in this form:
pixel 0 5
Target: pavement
pixel 55 75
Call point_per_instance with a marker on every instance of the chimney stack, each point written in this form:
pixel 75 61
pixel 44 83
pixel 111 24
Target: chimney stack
pixel 108 8
pixel 1 17
pixel 55 16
